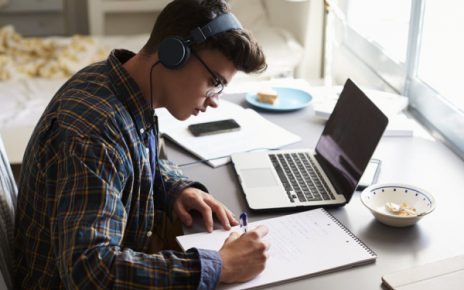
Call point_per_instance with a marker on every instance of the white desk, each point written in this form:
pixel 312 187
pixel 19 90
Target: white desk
pixel 413 160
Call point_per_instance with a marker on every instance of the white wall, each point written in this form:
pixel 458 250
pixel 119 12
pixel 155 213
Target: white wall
pixel 305 21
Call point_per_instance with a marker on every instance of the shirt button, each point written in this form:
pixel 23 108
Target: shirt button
pixel 142 131
pixel 149 233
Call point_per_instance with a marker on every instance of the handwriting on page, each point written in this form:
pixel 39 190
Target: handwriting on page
pixel 299 230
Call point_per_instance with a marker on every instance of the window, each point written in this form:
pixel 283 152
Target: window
pixel 416 48
pixel 441 61
pixel 385 24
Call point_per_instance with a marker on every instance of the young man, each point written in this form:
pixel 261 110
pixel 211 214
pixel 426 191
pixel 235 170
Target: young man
pixel 92 188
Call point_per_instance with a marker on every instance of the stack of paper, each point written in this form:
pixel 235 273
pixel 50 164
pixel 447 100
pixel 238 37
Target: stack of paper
pixel 391 104
pixel 256 133
pixel 325 99
pixel 399 126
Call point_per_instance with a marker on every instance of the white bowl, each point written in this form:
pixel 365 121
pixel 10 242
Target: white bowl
pixel 376 196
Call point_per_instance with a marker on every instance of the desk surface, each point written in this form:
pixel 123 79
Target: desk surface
pixel 414 160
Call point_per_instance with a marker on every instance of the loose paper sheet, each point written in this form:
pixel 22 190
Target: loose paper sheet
pixel 256 133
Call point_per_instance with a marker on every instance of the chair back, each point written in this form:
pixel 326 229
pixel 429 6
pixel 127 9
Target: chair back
pixel 8 197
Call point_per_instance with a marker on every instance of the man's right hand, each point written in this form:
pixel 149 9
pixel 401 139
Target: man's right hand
pixel 243 256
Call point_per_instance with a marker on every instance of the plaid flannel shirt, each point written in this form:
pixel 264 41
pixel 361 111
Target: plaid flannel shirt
pixel 87 201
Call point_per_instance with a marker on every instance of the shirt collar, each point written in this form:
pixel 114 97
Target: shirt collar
pixel 129 92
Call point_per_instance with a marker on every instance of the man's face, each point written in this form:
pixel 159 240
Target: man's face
pixel 194 87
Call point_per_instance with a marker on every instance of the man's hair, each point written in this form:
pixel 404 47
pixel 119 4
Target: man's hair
pixel 180 17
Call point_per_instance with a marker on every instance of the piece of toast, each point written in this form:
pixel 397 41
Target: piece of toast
pixel 268 96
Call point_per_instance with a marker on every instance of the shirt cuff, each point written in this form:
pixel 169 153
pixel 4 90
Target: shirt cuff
pixel 211 264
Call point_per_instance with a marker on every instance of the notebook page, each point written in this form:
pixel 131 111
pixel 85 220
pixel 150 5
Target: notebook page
pixel 302 244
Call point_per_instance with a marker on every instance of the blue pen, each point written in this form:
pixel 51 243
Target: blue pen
pixel 244 221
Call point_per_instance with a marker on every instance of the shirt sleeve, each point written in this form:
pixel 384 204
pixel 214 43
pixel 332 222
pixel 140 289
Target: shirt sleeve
pixel 211 264
pixel 170 182
pixel 87 224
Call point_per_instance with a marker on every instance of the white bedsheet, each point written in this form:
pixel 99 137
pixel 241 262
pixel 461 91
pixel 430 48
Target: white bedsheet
pixel 23 101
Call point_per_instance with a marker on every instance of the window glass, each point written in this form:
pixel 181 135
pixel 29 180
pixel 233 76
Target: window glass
pixel 441 61
pixel 385 23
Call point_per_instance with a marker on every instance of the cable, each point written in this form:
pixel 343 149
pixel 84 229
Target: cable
pixel 220 157
pixel 151 85
pixel 202 161
pixel 155 125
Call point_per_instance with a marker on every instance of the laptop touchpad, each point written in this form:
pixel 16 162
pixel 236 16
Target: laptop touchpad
pixel 258 177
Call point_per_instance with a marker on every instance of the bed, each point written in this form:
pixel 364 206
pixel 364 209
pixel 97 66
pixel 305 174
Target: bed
pixel 27 83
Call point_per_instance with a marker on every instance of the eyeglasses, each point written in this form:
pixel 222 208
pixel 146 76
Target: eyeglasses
pixel 218 84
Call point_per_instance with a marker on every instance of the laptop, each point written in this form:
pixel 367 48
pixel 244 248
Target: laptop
pixel 324 177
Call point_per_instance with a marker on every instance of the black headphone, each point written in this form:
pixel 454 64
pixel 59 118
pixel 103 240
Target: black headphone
pixel 173 52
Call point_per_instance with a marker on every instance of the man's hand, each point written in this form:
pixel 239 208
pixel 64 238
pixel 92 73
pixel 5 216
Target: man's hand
pixel 243 256
pixel 193 198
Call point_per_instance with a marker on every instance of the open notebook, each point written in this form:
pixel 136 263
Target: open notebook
pixel 302 244
pixel 256 133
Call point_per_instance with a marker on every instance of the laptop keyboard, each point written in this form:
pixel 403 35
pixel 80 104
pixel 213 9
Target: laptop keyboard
pixel 300 177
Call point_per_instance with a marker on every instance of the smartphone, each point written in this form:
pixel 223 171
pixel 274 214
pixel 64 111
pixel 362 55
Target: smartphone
pixel 215 127
pixel 370 175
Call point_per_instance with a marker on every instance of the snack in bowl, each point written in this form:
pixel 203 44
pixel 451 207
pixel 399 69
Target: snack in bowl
pixel 402 209
pixel 397 205
pixel 268 96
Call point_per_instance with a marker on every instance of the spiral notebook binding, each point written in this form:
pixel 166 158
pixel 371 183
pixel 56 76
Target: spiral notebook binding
pixel 353 236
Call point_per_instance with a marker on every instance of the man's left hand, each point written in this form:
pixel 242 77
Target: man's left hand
pixel 194 198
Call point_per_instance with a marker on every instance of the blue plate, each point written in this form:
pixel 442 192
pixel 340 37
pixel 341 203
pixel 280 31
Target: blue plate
pixel 288 100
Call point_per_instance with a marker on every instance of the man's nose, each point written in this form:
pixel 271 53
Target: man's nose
pixel 212 101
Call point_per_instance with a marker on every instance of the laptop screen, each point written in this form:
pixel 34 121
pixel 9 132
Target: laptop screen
pixel 349 139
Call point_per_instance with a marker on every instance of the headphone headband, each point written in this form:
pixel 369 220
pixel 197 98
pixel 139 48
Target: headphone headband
pixel 222 23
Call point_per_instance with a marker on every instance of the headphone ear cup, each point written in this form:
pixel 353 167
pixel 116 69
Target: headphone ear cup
pixel 173 52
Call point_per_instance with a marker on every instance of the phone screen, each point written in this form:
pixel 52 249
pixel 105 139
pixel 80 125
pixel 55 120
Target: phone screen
pixel 370 175
pixel 215 127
